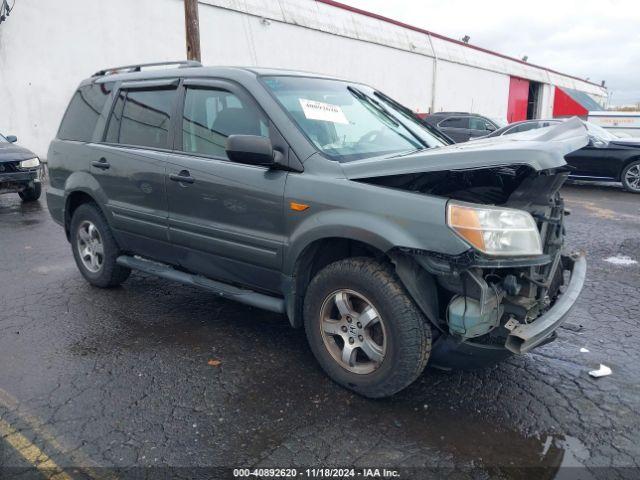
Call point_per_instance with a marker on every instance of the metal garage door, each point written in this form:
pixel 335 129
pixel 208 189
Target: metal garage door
pixel 518 99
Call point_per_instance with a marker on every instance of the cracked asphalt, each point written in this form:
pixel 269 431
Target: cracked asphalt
pixel 104 380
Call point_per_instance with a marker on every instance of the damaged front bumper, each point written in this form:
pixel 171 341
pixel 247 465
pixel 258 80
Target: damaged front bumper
pixel 524 337
pixel 12 182
pixel 514 333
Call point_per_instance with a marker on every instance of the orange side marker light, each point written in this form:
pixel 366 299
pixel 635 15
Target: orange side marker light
pixel 298 207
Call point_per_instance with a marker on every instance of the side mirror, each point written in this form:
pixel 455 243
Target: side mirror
pixel 490 128
pixel 12 138
pixel 251 149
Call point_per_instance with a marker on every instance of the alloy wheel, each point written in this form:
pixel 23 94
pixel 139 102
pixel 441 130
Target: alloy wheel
pixel 90 246
pixel 353 332
pixel 632 177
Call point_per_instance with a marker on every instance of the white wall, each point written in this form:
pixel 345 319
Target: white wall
pixel 47 47
pixel 231 38
pixel 467 89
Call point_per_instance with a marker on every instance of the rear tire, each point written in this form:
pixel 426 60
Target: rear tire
pixel 31 194
pixel 631 177
pixel 358 304
pixel 94 248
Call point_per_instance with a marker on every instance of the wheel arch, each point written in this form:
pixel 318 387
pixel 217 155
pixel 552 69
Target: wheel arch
pixel 79 188
pixel 312 258
pixel 73 200
pixel 419 283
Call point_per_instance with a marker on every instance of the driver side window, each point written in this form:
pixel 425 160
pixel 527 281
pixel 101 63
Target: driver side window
pixel 477 124
pixel 455 122
pixel 211 115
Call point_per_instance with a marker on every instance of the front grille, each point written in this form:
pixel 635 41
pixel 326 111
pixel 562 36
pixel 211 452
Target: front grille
pixel 8 167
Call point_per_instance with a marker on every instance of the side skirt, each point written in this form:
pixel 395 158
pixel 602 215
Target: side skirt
pixel 230 292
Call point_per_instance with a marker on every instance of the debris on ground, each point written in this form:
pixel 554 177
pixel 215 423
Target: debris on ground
pixel 213 362
pixel 571 326
pixel 621 260
pixel 603 371
pixel 584 350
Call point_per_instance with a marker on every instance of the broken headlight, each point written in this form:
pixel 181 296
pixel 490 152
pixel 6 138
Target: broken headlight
pixel 495 230
pixel 31 163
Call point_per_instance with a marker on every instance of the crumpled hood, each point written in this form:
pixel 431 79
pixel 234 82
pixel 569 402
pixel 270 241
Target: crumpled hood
pixel 540 149
pixel 10 152
pixel 627 142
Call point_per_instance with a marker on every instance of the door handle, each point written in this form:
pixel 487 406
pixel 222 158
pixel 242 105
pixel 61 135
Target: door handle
pixel 183 177
pixel 102 164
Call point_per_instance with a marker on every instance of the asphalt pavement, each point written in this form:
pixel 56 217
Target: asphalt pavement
pixel 158 380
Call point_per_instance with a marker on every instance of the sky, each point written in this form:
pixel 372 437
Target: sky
pixel 599 40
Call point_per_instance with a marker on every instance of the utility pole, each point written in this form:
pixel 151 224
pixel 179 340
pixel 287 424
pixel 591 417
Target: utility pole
pixel 192 29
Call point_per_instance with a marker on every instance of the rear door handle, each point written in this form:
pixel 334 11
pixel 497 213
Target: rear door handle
pixel 183 177
pixel 102 164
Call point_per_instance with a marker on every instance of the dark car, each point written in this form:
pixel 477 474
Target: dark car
pixel 462 126
pixel 19 170
pixel 606 157
pixel 325 201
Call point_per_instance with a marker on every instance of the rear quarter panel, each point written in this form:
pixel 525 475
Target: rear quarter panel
pixel 68 166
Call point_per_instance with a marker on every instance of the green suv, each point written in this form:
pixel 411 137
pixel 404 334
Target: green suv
pixel 326 201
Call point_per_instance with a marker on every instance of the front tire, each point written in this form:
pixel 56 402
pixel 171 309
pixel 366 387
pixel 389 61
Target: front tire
pixel 364 329
pixel 94 248
pixel 631 177
pixel 31 194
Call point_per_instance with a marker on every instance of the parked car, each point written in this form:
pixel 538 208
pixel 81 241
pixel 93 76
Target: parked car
pixel 606 157
pixel 19 170
pixel 323 200
pixel 462 126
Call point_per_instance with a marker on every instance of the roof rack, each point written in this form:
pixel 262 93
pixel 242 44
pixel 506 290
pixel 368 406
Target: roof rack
pixel 140 66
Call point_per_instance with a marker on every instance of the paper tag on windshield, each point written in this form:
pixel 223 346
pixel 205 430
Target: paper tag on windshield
pixel 322 111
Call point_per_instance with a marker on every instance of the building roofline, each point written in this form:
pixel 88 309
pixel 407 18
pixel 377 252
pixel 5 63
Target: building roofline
pixel 398 23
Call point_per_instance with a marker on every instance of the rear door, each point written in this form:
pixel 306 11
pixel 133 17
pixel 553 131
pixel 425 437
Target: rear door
pixel 225 218
pixel 130 163
pixel 456 127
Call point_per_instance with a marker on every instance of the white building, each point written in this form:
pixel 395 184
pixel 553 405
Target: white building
pixel 47 47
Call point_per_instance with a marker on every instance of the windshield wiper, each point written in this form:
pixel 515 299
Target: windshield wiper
pixel 410 114
pixel 407 152
pixel 388 115
pixel 379 108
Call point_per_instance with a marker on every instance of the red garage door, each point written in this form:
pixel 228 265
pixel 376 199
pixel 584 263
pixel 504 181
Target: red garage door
pixel 518 98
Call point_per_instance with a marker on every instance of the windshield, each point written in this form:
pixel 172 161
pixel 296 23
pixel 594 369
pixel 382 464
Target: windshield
pixel 348 122
pixel 599 133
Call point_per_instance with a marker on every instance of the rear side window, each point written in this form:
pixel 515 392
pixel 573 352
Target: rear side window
pixel 455 122
pixel 83 112
pixel 211 115
pixel 141 118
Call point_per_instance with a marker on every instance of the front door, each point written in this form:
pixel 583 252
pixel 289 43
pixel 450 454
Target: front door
pixel 479 127
pixel 225 218
pixel 457 128
pixel 594 161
